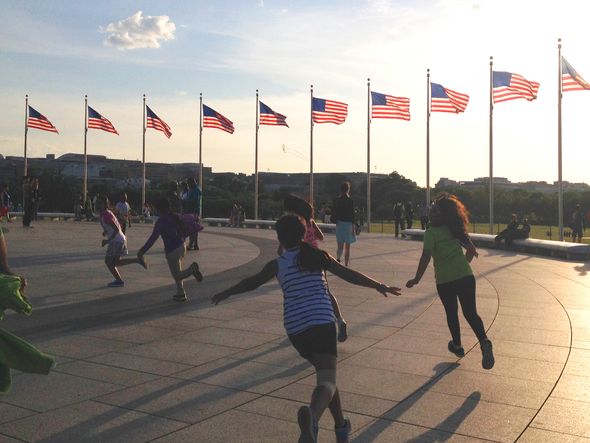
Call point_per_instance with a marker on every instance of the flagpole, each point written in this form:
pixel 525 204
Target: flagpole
pixel 368 155
pixel 559 146
pixel 26 131
pixel 85 187
pixel 428 138
pixel 143 160
pixel 311 149
pixel 201 142
pixel 491 183
pixel 256 163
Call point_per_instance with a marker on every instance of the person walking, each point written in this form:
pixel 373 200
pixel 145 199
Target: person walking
pixel 343 216
pixel 116 241
pixel 398 217
pixel 444 241
pixel 577 225
pixel 172 230
pixel 5 211
pixel 409 213
pixel 89 205
pixel 308 317
pixel 123 212
pixel 27 202
pixel 423 212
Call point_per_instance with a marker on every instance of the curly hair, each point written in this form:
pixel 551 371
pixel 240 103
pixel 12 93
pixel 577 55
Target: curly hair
pixel 453 214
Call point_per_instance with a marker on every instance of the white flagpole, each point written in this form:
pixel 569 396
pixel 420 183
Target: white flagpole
pixel 143 160
pixel 428 138
pixel 85 187
pixel 491 183
pixel 256 162
pixel 559 151
pixel 368 155
pixel 311 149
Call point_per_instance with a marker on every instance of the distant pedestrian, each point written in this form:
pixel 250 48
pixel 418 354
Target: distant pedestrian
pixel 78 207
pixel 309 318
pixel 509 233
pixel 173 232
pixel 398 217
pixel 423 212
pixel 193 206
pixel 35 198
pixel 89 207
pixel 6 203
pixel 123 212
pixel 443 241
pixel 146 212
pixel 343 216
pixel 116 241
pixel 27 202
pixel 409 212
pixel 577 225
pixel 173 197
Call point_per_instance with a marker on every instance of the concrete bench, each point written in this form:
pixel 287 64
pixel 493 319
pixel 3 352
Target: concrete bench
pixel 260 224
pixel 572 251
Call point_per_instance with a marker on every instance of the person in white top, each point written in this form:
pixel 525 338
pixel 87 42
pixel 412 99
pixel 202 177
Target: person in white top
pixel 123 212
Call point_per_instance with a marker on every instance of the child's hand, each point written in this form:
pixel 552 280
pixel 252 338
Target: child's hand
pixel 412 282
pixel 218 297
pixel 470 253
pixel 384 289
pixel 104 242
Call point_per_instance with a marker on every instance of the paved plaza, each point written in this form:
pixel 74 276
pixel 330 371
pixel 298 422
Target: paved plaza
pixel 134 366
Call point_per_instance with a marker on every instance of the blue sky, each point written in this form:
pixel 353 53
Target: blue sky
pixel 60 50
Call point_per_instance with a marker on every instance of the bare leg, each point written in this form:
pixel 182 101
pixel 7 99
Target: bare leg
pixel 336 410
pixel 339 251
pixel 321 396
pixel 110 262
pixel 126 261
pixel 174 260
pixel 346 253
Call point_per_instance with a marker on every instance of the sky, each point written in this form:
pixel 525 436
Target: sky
pixel 116 50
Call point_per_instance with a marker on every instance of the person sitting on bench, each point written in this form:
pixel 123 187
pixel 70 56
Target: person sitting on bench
pixel 508 234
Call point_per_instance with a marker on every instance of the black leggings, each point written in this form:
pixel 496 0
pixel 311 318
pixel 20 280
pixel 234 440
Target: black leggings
pixel 464 289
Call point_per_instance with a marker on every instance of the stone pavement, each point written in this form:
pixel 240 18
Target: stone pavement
pixel 135 366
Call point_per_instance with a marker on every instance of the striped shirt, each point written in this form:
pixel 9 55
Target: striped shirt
pixel 306 301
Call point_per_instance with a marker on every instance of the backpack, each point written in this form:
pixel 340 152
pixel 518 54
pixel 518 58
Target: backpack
pixel 191 224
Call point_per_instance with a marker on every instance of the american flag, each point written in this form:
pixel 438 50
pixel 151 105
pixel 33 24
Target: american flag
pixel 39 121
pixel 97 121
pixel 213 119
pixel 570 79
pixel 446 100
pixel 270 117
pixel 155 122
pixel 328 111
pixel 508 86
pixel 387 106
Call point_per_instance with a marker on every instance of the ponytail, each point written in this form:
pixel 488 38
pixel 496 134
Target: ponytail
pixel 312 259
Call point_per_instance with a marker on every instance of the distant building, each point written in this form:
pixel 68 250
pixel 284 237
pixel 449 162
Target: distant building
pixel 504 183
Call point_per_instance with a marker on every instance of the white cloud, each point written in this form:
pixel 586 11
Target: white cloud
pixel 139 31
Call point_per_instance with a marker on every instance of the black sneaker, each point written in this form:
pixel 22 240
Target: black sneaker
pixel 180 298
pixel 457 350
pixel 487 355
pixel 342 333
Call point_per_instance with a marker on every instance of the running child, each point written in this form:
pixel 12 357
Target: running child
pixel 173 232
pixel 443 241
pixel 313 234
pixel 308 316
pixel 116 241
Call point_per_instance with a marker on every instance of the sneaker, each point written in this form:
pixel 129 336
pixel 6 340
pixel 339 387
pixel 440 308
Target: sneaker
pixel 487 359
pixel 457 350
pixel 116 284
pixel 180 298
pixel 343 432
pixel 196 272
pixel 307 425
pixel 342 334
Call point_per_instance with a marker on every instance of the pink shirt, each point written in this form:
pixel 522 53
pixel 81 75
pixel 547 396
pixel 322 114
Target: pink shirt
pixel 107 219
pixel 310 235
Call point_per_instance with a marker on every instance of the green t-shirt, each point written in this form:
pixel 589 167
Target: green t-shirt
pixel 449 260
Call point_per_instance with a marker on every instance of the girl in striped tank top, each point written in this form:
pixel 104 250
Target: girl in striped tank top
pixel 308 316
pixel 313 234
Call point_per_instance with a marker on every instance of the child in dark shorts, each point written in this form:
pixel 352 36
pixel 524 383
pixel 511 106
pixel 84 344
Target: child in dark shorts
pixel 309 316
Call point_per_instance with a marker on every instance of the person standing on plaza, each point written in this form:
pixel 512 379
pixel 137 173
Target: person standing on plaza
pixel 193 206
pixel 123 212
pixel 409 212
pixel 443 241
pixel 116 241
pixel 89 207
pixel 308 317
pixel 577 225
pixel 35 198
pixel 343 216
pixel 423 212
pixel 27 202
pixel 6 203
pixel 172 229
pixel 174 198
pixel 398 217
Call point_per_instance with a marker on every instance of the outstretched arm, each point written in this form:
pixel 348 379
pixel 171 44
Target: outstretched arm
pixel 360 279
pixel 422 265
pixel 318 232
pixel 249 283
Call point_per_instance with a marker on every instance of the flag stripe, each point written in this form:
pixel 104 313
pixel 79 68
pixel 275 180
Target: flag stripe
pixel 213 119
pixel 446 100
pixel 97 121
pixel 39 121
pixel 328 111
pixel 570 79
pixel 388 106
pixel 508 86
pixel 269 117
pixel 155 122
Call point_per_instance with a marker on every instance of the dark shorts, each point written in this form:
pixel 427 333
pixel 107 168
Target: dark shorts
pixel 320 339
